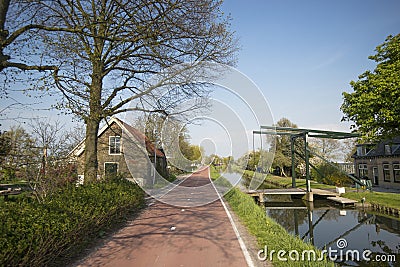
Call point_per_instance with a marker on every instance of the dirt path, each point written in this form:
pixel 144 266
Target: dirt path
pixel 165 235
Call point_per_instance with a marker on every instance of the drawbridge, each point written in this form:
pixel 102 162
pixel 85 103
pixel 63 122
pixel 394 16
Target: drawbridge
pixel 306 152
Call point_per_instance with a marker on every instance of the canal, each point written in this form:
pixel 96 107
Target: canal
pixel 331 227
pixel 327 226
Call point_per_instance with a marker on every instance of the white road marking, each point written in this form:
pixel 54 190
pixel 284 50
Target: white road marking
pixel 246 253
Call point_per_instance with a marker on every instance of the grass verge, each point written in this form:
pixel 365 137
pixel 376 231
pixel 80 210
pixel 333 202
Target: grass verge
pixel 271 235
pixel 390 200
pixel 287 181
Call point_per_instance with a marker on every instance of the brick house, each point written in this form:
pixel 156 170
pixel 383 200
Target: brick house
pixel 110 154
pixel 379 162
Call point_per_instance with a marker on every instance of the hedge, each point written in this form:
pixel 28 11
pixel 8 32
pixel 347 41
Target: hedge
pixel 38 234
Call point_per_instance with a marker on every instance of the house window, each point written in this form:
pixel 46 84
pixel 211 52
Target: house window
pixel 386 172
pixel 362 170
pixel 396 172
pixel 115 145
pixel 388 150
pixel 361 151
pixel 110 169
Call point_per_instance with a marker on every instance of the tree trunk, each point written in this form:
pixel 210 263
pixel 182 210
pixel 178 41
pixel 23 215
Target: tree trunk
pixel 92 123
pixel 91 163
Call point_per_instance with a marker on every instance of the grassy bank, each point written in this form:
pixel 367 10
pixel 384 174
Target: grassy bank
pixel 269 233
pixel 390 200
pixel 53 232
pixel 286 182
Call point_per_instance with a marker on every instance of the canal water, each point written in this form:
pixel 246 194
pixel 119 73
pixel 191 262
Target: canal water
pixel 329 227
pixel 333 228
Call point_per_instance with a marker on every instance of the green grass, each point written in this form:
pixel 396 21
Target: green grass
pixel 268 232
pixel 390 200
pixel 214 173
pixel 287 181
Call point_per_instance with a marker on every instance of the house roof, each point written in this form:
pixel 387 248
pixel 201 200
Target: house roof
pixel 378 150
pixel 141 137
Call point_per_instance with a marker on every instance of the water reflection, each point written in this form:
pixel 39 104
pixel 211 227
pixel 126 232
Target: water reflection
pixel 323 224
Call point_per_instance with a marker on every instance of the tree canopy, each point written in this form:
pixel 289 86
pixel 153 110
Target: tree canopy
pixel 103 54
pixel 374 106
pixel 283 156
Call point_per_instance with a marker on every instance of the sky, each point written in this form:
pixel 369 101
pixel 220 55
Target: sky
pixel 301 55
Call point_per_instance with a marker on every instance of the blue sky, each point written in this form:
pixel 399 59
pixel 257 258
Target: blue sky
pixel 303 54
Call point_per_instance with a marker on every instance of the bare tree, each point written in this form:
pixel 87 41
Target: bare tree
pixel 330 149
pixel 54 137
pixel 18 19
pixel 106 51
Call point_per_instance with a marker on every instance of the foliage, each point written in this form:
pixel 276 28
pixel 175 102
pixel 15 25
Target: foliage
pixel 42 234
pixel 214 173
pixel 283 157
pixel 171 135
pixel 22 156
pixel 328 174
pixel 284 182
pixel 38 157
pixel 374 106
pixel 268 232
pixel 5 146
pixel 109 53
pixel 255 160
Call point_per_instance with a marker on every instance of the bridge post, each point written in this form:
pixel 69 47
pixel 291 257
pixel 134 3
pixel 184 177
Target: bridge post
pixel 310 196
pixel 293 167
pixel 307 160
pixel 261 197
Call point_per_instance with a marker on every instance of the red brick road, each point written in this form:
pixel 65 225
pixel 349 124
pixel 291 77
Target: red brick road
pixel 165 235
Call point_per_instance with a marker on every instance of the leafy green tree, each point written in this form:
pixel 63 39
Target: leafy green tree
pixel 283 156
pixel 5 146
pixel 22 157
pixel 374 106
pixel 328 174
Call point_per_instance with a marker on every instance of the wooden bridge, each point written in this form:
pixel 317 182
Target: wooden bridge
pixel 333 196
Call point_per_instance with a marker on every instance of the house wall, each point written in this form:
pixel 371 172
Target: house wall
pixel 379 162
pixel 104 156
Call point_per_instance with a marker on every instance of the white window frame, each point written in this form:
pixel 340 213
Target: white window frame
pixel 386 175
pixel 109 145
pixel 362 170
pixel 361 151
pixel 396 168
pixel 110 163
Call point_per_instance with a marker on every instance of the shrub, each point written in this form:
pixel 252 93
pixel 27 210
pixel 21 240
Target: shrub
pixel 330 175
pixel 37 234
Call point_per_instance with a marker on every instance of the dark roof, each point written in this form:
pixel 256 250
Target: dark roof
pixel 379 150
